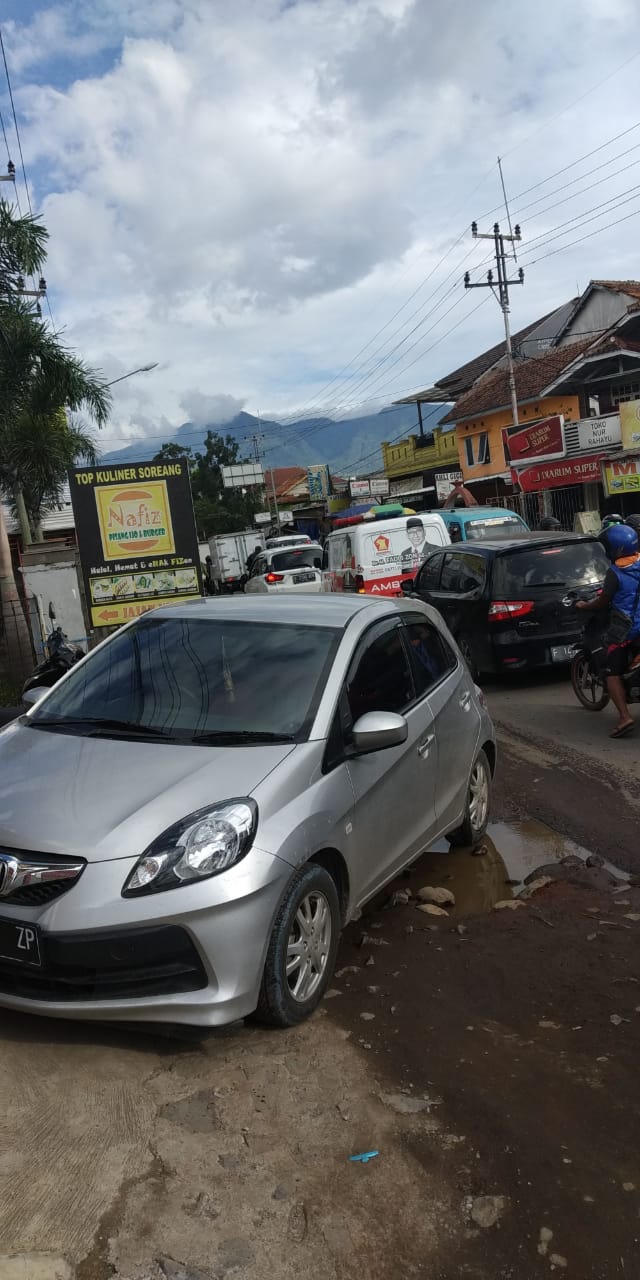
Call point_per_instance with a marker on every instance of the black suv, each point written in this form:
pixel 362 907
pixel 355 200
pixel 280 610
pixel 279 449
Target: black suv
pixel 508 602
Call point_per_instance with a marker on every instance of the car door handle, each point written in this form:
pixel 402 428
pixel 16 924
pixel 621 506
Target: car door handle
pixel 465 701
pixel 425 746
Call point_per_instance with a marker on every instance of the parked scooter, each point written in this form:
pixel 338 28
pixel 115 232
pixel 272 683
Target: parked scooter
pixel 61 656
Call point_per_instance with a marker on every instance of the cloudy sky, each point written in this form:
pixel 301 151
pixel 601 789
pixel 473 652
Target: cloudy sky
pixel 271 198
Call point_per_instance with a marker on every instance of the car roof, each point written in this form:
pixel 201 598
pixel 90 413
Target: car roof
pixel 517 542
pixel 330 609
pixel 473 513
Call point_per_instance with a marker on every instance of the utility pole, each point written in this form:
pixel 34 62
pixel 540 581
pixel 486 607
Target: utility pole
pixel 255 440
pixel 502 294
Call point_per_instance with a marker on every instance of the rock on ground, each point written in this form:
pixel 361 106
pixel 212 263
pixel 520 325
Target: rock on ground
pixel 440 897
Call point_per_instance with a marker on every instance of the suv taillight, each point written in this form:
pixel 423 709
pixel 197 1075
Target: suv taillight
pixel 507 610
pixel 359 581
pixel 274 577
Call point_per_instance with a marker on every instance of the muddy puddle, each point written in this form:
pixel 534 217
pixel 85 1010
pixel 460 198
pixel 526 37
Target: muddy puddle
pixel 509 853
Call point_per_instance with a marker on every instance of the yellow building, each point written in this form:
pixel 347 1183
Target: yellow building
pixel 409 459
pixel 482 413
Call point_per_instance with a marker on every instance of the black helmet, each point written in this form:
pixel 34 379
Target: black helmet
pixel 633 522
pixel 611 519
pixel 549 524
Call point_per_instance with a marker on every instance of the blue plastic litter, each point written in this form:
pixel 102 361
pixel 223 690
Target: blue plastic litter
pixel 364 1157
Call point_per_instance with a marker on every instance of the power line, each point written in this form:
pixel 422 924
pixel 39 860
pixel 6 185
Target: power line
pixel 561 248
pixel 15 122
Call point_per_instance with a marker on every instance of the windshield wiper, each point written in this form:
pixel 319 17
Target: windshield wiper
pixel 93 726
pixel 231 737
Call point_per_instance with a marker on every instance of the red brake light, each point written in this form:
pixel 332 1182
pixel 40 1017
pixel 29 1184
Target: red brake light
pixel 359 581
pixel 506 610
pixel 274 577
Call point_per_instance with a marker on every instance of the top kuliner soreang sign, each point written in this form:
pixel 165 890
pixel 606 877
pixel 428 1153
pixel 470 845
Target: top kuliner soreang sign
pixel 136 537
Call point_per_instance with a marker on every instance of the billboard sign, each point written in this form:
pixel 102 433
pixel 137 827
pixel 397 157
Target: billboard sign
pixel 555 475
pixel 445 482
pixel 242 475
pixel 136 538
pixel 359 488
pixel 621 476
pixel 318 481
pixel 630 423
pixel 379 485
pixel 599 433
pixel 538 442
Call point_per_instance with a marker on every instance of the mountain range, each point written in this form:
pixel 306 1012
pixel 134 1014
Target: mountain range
pixel 348 445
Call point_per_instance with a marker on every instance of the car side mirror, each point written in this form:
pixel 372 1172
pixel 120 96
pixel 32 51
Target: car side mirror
pixel 31 696
pixel 377 730
pixel 407 586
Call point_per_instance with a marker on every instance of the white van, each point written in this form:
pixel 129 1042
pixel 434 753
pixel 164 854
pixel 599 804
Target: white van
pixel 374 557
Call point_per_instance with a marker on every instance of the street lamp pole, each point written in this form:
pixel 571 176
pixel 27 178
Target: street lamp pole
pixel 144 368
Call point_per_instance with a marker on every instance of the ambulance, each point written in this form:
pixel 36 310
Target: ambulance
pixel 374 557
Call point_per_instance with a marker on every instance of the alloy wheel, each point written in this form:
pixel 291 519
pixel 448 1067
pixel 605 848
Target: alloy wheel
pixel 478 796
pixel 309 946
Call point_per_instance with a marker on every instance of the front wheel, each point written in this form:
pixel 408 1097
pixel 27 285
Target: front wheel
pixel 302 949
pixel 476 814
pixel 590 688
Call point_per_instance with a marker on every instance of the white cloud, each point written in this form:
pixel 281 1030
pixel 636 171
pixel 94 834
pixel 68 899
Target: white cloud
pixel 246 192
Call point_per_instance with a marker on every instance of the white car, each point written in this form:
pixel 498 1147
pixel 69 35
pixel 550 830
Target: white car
pixel 289 540
pixel 297 568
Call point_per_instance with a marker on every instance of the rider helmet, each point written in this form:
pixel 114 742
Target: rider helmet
pixel 619 540
pixel 611 519
pixel 549 524
pixel 634 523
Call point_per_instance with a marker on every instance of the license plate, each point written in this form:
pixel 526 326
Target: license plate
pixel 304 577
pixel 562 652
pixel 20 943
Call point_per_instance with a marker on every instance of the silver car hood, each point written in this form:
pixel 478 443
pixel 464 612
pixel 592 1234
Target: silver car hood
pixel 104 798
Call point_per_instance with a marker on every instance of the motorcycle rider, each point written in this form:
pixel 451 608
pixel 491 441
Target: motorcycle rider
pixel 549 524
pixel 621 596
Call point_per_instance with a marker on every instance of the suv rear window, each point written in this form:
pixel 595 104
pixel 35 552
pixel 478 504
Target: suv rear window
pixel 490 526
pixel 578 564
pixel 296 558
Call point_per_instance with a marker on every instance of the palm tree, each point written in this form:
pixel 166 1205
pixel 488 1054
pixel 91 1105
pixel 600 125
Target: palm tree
pixel 39 380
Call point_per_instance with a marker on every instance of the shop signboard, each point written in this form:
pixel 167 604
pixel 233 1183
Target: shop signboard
pixel 359 488
pixel 445 482
pixel 537 442
pixel 599 433
pixel 318 481
pixel 379 485
pixel 136 538
pixel 557 475
pixel 630 424
pixel 621 475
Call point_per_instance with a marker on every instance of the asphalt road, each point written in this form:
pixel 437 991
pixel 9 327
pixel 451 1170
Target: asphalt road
pixel 490 1058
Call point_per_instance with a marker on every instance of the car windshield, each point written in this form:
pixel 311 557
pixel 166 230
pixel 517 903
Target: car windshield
pixel 488 527
pixel 197 679
pixel 574 564
pixel 297 558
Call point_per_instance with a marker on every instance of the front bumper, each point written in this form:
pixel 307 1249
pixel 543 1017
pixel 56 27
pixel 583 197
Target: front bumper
pixel 192 955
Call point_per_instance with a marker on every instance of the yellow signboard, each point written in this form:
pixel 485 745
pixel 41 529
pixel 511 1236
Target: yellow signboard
pixel 113 615
pixel 622 476
pixel 630 424
pixel 135 520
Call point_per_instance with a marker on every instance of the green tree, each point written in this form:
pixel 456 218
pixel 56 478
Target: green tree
pixel 39 380
pixel 217 510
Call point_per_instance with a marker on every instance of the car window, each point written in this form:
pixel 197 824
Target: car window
pixel 296 558
pixel 490 526
pixel 429 575
pixel 574 564
pixel 381 677
pixel 186 676
pixel 431 657
pixel 472 572
pixel 259 567
pixel 454 574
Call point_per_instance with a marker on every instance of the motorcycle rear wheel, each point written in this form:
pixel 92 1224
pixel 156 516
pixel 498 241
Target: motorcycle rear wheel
pixel 589 688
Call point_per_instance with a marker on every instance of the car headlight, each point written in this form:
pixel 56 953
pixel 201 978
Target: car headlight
pixel 202 845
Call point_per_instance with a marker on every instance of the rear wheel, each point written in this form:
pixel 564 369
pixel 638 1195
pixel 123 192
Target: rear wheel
pixel 302 949
pixel 589 687
pixel 476 816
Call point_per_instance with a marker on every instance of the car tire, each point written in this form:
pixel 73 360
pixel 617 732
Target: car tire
pixel 478 803
pixel 310 903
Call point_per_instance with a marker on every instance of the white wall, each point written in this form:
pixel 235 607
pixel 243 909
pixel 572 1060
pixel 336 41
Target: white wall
pixel 57 585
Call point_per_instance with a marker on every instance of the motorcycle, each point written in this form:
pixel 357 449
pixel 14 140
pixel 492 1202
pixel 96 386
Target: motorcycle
pixel 61 656
pixel 587 680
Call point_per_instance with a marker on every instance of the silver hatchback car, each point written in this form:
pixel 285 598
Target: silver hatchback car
pixel 191 815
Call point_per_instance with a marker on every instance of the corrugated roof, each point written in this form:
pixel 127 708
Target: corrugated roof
pixel 491 392
pixel 631 287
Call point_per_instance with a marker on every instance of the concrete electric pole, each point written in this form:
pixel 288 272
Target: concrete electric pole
pixel 502 293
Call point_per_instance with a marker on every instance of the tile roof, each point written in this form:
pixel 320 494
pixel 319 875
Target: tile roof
pixel 492 390
pixel 632 287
